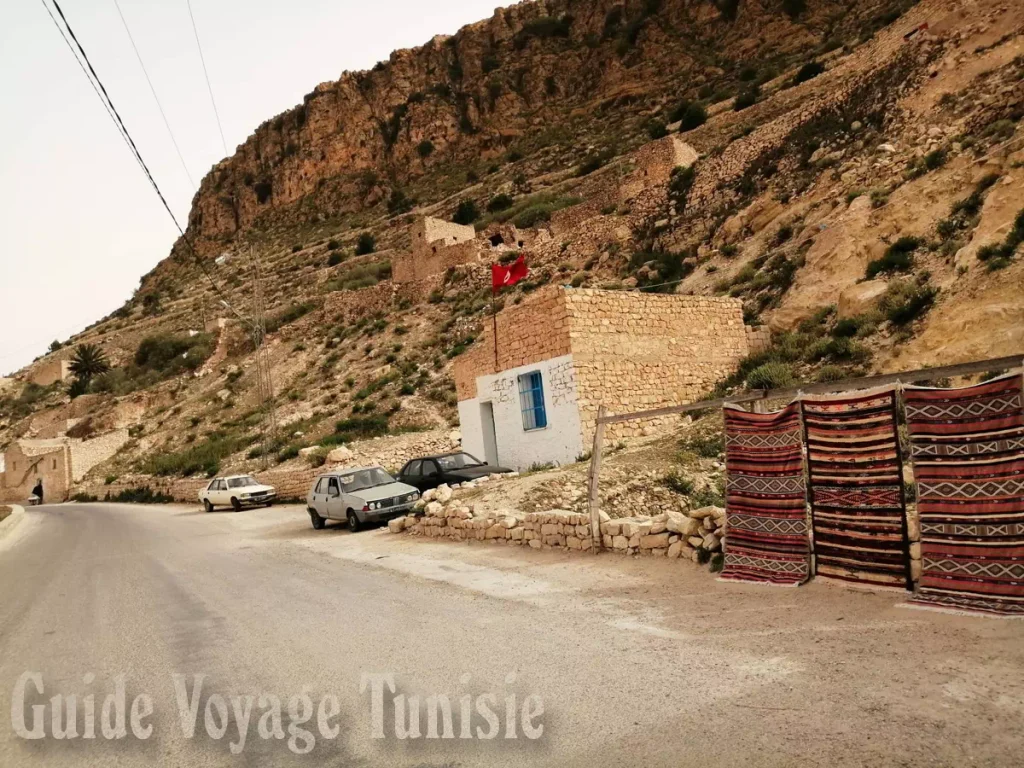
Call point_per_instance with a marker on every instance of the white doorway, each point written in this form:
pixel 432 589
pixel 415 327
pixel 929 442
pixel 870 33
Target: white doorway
pixel 490 438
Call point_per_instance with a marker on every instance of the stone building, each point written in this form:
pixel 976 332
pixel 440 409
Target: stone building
pixel 436 245
pixel 533 397
pixel 58 462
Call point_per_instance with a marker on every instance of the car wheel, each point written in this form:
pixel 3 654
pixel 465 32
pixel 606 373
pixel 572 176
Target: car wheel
pixel 353 521
pixel 269 503
pixel 318 522
pixel 207 506
pixel 236 504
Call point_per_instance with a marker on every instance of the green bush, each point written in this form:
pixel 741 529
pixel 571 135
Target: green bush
pixel 678 482
pixel 770 376
pixel 898 257
pixel 334 259
pixel 747 98
pixel 656 129
pixel 366 243
pixel 142 495
pixel 466 212
pixel 904 301
pixel 169 354
pixel 199 459
pixel 499 202
pixel 808 71
pixel 694 117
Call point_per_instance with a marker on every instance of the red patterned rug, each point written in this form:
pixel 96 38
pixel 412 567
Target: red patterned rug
pixel 857 502
pixel 766 517
pixel 968 452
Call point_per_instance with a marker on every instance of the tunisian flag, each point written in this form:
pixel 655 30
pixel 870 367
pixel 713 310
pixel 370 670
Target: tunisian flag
pixel 503 277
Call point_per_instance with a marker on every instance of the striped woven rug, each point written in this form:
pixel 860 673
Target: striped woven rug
pixel 766 516
pixel 968 452
pixel 857 501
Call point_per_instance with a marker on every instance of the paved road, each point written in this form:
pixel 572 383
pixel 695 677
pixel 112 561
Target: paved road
pixel 636 662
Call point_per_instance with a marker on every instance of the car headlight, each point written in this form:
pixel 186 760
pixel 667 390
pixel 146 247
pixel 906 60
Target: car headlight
pixel 244 495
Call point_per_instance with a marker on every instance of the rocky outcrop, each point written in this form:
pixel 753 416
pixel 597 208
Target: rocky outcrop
pixel 469 96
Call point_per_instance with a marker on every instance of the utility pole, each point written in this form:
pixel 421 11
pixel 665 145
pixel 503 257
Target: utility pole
pixel 264 380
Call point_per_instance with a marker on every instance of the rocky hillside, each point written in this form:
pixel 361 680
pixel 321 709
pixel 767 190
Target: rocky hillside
pixel 855 176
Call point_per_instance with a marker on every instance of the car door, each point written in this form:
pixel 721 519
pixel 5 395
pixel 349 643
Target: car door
pixel 411 474
pixel 218 496
pixel 432 476
pixel 317 494
pixel 335 503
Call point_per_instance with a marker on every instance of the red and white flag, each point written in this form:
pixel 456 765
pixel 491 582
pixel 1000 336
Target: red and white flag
pixel 504 277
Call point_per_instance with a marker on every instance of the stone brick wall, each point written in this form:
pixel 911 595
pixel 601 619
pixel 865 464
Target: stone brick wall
pixel 86 454
pixel 25 462
pixel 637 351
pixel 434 260
pixel 536 330
pixel 49 371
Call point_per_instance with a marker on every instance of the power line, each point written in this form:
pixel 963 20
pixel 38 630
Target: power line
pixel 152 90
pixel 84 71
pixel 206 74
pixel 104 97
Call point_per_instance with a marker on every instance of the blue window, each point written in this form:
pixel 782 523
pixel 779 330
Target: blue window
pixel 531 401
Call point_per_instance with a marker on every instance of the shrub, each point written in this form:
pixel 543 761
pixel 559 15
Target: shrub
pixel 794 8
pixel 200 459
pixel 678 482
pixel 747 98
pixel 499 202
pixel 904 301
pixel 399 202
pixel 466 212
pixel 367 243
pixel 656 129
pixel 592 163
pixel 935 159
pixel 830 373
pixel 898 257
pixel 289 315
pixel 168 354
pixel 707 446
pixel 334 259
pixel 808 71
pixel 425 148
pixel 333 245
pixel 770 376
pixel 845 328
pixel 142 495
pixel 694 117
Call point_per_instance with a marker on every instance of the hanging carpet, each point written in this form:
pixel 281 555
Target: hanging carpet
pixel 967 447
pixel 858 507
pixel 766 518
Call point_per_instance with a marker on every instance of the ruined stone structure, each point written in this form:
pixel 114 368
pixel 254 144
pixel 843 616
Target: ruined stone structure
pixel 49 371
pixel 58 462
pixel 534 397
pixel 436 245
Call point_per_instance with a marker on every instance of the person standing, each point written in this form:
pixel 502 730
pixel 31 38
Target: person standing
pixel 38 490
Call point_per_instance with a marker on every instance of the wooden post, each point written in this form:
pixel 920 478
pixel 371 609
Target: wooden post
pixel 595 471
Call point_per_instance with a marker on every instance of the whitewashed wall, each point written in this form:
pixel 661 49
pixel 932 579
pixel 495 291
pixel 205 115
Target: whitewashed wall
pixel 560 442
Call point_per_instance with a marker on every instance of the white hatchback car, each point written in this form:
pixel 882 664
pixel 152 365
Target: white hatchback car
pixel 357 496
pixel 236 491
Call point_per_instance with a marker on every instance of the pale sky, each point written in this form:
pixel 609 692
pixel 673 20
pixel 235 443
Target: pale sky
pixel 80 223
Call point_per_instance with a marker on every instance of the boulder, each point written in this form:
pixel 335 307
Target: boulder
pixel 339 455
pixel 619 542
pixel 434 509
pixel 674 549
pixel 711 542
pixel 443 493
pixel 859 298
pixel 455 436
pixel 396 525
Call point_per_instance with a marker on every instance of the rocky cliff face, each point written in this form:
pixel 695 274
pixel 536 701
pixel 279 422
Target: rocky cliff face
pixel 456 103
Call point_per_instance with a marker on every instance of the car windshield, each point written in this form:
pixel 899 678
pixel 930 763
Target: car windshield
pixel 241 482
pixel 458 461
pixel 365 478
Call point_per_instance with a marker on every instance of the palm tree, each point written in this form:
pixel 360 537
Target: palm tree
pixel 88 361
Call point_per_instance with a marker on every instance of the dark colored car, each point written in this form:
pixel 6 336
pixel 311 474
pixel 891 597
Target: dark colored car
pixel 431 471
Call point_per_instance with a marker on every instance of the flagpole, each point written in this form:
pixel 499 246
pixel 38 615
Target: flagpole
pixel 494 321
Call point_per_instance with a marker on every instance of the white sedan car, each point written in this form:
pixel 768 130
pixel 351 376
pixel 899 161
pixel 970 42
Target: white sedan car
pixel 237 491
